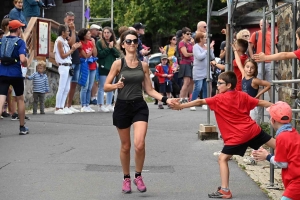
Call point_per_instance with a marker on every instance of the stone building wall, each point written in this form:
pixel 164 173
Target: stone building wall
pixel 285 33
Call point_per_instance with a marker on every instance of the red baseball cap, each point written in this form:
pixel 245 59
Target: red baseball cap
pixel 14 24
pixel 281 112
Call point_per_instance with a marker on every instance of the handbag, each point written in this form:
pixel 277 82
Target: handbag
pixel 71 71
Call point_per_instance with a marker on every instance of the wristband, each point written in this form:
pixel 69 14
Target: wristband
pixel 269 157
pixel 164 99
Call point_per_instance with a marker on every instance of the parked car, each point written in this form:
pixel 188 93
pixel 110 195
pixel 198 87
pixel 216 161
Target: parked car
pixel 154 60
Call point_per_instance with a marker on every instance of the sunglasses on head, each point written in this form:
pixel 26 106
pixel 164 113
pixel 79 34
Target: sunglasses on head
pixel 129 41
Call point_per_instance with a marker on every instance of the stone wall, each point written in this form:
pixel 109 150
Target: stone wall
pixel 53 78
pixel 285 33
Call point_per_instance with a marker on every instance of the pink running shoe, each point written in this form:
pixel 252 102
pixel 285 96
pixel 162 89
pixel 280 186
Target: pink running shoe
pixel 140 184
pixel 126 188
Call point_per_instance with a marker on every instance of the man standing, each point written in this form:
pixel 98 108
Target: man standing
pixel 69 20
pixel 12 56
pixel 140 29
pixel 95 29
pixel 257 44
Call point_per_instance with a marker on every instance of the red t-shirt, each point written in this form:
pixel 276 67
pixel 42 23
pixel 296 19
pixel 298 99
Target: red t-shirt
pixel 297 53
pixel 189 48
pixel 87 48
pixel 238 73
pixel 232 111
pixel 288 150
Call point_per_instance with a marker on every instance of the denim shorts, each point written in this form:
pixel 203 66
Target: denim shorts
pixel 76 68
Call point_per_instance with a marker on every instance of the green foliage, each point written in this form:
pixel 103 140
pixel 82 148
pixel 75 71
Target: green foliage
pixel 265 126
pixel 50 101
pixel 161 17
pixel 53 36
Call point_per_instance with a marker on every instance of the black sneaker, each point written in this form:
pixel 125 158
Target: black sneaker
pixel 5 114
pixel 160 106
pixel 93 102
pixel 15 117
pixel 27 118
pixel 24 130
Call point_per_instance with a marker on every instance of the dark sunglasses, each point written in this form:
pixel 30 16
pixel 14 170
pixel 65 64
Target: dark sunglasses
pixel 188 33
pixel 173 38
pixel 204 26
pixel 129 41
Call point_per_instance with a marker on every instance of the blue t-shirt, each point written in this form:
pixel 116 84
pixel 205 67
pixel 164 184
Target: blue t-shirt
pixel 15 69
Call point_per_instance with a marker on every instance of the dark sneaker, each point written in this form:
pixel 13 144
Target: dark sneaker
pixel 220 194
pixel 140 184
pixel 28 118
pixel 5 114
pixel 94 102
pixel 15 117
pixel 126 188
pixel 24 130
pixel 42 113
pixel 160 107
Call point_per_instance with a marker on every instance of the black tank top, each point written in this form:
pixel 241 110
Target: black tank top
pixel 134 78
pixel 246 87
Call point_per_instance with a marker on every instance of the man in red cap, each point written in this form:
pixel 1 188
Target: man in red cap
pixel 12 55
pixel 287 154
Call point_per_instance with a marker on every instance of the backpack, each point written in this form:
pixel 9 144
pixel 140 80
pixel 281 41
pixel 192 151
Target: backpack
pixel 7 47
pixel 255 45
pixel 177 52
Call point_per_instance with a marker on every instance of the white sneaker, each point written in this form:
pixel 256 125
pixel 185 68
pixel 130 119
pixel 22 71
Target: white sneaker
pixel 217 153
pixel 66 109
pixel 85 109
pixel 60 112
pixel 110 108
pixel 193 108
pixel 74 109
pixel 103 109
pixel 90 109
pixel 249 160
pixel 204 107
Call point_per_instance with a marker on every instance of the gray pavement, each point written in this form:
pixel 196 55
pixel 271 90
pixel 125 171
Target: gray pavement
pixel 76 157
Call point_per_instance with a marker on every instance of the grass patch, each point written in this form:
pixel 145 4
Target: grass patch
pixel 148 99
pixel 266 127
pixel 50 101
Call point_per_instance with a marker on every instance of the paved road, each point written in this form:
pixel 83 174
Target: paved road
pixel 77 158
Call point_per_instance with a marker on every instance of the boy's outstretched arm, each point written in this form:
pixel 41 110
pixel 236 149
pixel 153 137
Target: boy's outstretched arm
pixel 278 56
pixel 197 102
pixel 264 103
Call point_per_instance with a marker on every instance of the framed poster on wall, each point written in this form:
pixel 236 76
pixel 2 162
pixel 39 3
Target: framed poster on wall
pixel 43 28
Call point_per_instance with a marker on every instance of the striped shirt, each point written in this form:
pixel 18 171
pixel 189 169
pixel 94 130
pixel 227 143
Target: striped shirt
pixel 40 82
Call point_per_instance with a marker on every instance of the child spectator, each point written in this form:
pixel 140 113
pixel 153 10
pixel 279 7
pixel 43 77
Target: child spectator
pixel 241 48
pixel 238 130
pixel 287 154
pixel 40 86
pixel 250 84
pixel 164 74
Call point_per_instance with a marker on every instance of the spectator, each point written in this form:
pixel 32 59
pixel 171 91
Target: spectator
pixel 63 59
pixel 107 54
pixel 185 70
pixel 140 29
pixel 10 69
pixel 5 27
pixel 73 38
pixel 164 73
pixel 40 86
pixel 200 67
pixel 95 30
pixel 16 13
pixel 31 8
pixel 88 51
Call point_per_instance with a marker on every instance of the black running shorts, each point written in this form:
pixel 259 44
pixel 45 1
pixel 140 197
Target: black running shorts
pixel 126 112
pixel 16 82
pixel 254 143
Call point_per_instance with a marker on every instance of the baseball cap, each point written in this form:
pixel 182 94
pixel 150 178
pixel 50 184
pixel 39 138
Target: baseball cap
pixel 164 56
pixel 281 112
pixel 178 34
pixel 14 24
pixel 139 25
pixel 95 26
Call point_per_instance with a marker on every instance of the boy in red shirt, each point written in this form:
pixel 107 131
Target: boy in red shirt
pixel 239 131
pixel 287 154
pixel 241 48
pixel 164 73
